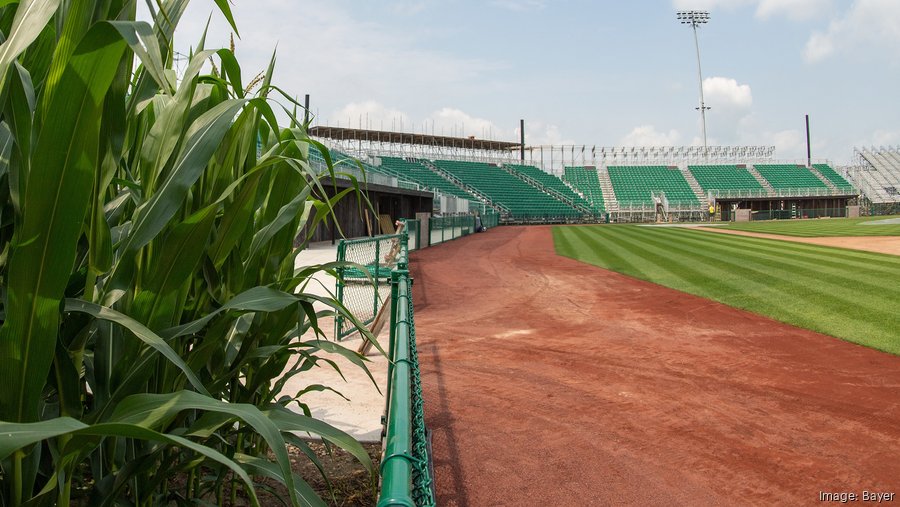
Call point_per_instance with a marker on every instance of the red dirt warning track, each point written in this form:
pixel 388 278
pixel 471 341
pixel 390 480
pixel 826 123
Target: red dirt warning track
pixel 550 382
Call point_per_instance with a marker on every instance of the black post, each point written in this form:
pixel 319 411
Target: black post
pixel 306 110
pixel 808 149
pixel 522 138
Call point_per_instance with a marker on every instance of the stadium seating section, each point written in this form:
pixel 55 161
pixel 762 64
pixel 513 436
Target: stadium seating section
pixel 422 175
pixel 522 199
pixel 789 176
pixel 529 192
pixel 585 180
pixel 724 177
pixel 634 185
pixel 550 181
pixel 836 179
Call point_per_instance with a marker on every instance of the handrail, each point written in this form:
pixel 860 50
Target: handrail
pixel 405 467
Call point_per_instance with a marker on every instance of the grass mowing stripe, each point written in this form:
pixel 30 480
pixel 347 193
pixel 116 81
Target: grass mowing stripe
pixel 590 241
pixel 861 279
pixel 821 228
pixel 780 310
pixel 745 277
pixel 837 302
pixel 658 265
pixel 825 253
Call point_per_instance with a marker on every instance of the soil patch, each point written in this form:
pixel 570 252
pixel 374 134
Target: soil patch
pixel 878 244
pixel 551 382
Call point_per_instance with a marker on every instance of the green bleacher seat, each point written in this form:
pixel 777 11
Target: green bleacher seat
pixel 724 177
pixel 836 179
pixel 789 176
pixel 634 185
pixel 586 181
pixel 520 198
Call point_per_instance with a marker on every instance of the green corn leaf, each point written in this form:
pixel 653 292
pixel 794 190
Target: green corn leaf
pixel 234 222
pixel 53 210
pixel 140 331
pixel 141 39
pixel 149 410
pixel 294 422
pixel 202 140
pixel 226 11
pixel 15 436
pixel 159 303
pixel 287 214
pixel 257 299
pixel 31 18
pixel 302 490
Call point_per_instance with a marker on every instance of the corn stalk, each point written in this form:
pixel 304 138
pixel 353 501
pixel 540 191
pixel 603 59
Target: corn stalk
pixel 150 303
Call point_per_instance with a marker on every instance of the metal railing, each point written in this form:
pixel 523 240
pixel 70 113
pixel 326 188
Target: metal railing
pixel 798 213
pixel 406 470
pixel 763 193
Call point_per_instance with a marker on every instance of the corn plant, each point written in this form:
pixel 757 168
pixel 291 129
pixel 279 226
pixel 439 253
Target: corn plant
pixel 151 310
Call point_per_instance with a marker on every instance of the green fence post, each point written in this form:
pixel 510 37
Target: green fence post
pixel 339 289
pixel 377 275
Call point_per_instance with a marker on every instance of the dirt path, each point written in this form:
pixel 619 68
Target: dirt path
pixel 878 244
pixel 551 382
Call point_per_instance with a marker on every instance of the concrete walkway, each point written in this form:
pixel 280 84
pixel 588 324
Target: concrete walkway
pixel 360 414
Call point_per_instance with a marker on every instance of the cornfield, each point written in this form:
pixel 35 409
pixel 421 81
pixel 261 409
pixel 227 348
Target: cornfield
pixel 151 311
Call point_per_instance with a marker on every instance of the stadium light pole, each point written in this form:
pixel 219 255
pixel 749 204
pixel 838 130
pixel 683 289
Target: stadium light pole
pixel 694 19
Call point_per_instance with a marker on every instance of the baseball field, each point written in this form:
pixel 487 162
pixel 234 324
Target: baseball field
pixel 840 292
pixel 664 366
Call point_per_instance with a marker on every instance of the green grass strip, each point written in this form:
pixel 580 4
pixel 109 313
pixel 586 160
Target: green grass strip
pixel 817 228
pixel 848 294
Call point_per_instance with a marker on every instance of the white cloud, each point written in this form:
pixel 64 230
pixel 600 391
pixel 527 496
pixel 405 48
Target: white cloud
pixel 790 143
pixel 369 114
pixel 408 7
pixel 448 121
pixel 520 5
pixel 461 124
pixel 710 4
pixel 725 93
pixel 647 135
pixel 885 138
pixel 866 22
pixel 793 9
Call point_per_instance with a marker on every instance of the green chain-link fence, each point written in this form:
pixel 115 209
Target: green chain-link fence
pixel 407 477
pixel 364 288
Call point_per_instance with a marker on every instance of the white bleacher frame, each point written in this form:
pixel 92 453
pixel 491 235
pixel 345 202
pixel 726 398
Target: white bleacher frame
pixel 875 170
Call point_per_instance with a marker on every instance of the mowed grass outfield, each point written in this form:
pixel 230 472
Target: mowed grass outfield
pixel 824 227
pixel 844 293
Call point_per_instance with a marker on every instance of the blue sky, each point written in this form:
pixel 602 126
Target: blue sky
pixel 596 73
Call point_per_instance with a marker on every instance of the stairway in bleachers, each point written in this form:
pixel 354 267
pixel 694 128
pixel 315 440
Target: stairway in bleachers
pixel 548 184
pixel 770 190
pixel 825 180
pixel 695 186
pixel 609 195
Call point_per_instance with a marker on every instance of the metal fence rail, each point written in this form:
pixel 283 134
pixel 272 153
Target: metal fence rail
pixel 798 213
pixel 406 472
pixel 364 288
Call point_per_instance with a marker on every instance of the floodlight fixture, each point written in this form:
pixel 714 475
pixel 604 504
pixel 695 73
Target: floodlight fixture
pixel 694 19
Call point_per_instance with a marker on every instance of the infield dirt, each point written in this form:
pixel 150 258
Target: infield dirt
pixel 878 244
pixel 552 382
